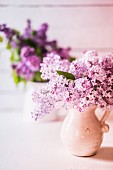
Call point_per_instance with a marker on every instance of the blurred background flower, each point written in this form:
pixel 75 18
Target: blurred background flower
pixel 28 50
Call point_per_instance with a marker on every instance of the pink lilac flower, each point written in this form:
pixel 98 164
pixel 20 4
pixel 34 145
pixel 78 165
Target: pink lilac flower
pixel 78 68
pixel 95 88
pixel 44 103
pixel 89 53
pixel 89 58
pixel 51 64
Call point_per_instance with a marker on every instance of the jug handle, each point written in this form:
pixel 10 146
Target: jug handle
pixel 105 127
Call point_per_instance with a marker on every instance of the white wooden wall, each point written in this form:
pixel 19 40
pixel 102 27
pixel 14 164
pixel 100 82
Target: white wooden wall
pixel 81 24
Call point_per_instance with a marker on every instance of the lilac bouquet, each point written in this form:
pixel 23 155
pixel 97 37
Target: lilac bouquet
pixel 28 49
pixel 84 82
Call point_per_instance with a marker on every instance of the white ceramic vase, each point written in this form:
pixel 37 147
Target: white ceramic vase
pixel 82 132
pixel 29 105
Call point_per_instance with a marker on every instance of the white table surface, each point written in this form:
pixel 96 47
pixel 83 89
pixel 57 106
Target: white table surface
pixel 37 146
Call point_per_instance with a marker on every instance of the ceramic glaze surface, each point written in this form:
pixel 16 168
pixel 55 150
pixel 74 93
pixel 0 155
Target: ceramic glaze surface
pixel 82 132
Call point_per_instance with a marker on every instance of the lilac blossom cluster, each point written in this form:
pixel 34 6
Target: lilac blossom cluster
pixel 28 49
pixel 92 84
pixel 29 64
pixel 51 63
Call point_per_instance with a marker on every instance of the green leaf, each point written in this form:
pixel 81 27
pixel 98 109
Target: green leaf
pixel 18 51
pixel 30 42
pixel 23 80
pixel 71 59
pixel 8 46
pixel 34 32
pixel 37 77
pixel 38 51
pixel 1 39
pixel 16 32
pixel 15 57
pixel 12 57
pixel 67 75
pixel 16 78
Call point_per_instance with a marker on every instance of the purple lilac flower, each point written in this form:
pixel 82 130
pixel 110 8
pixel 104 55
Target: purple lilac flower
pixel 64 52
pixel 51 45
pixel 27 52
pixel 42 30
pixel 8 32
pixel 32 46
pixel 33 63
pixel 14 44
pixel 28 30
pixel 41 38
pixel 23 71
pixel 13 66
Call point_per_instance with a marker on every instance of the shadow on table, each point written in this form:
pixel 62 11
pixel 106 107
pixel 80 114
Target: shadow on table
pixel 105 154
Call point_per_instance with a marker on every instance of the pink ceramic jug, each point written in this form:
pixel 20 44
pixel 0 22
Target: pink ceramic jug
pixel 82 132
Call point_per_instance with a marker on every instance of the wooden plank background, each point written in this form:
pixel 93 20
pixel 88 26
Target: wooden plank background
pixel 77 23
